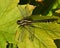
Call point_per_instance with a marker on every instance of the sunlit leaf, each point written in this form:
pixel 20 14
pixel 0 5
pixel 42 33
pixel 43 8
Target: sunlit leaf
pixel 39 35
pixel 44 33
pixel 8 16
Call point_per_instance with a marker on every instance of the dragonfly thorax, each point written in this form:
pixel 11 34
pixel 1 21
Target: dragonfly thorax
pixel 24 22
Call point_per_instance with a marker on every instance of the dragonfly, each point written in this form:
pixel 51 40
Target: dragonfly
pixel 26 23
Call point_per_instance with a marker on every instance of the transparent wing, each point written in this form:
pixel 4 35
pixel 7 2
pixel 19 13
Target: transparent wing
pixel 31 32
pixel 22 34
pixel 51 29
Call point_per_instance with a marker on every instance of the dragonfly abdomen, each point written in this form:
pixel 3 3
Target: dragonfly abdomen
pixel 46 20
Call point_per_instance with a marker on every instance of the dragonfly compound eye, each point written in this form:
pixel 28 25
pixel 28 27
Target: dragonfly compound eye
pixel 18 22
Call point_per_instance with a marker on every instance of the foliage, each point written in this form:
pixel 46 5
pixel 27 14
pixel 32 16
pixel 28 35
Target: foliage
pixel 44 33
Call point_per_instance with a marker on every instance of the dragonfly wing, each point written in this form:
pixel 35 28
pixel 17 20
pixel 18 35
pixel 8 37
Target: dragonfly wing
pixel 22 33
pixel 49 28
pixel 31 32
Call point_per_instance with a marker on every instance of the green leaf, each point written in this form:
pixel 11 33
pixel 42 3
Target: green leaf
pixel 8 17
pixel 27 8
pixel 43 34
pixel 39 36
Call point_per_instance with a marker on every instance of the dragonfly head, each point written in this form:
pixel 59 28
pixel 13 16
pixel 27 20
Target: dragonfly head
pixel 24 22
pixel 18 22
